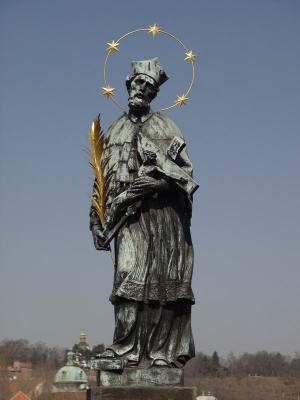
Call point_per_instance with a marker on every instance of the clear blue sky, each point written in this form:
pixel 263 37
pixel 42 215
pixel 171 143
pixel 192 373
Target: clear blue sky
pixel 242 130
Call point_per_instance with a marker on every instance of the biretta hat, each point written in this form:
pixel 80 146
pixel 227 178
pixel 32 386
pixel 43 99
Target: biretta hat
pixel 151 68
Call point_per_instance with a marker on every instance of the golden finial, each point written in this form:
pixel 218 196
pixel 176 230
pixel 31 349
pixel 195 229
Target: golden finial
pixel 108 91
pixel 112 47
pixel 190 57
pixel 154 29
pixel 181 100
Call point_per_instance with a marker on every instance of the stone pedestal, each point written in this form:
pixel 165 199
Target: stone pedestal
pixel 66 395
pixel 114 382
pixel 141 377
pixel 142 393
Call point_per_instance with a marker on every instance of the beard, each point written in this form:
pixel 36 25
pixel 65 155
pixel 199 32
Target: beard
pixel 137 102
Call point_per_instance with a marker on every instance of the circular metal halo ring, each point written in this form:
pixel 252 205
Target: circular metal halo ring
pixel 159 32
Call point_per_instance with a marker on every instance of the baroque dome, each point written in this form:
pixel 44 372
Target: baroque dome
pixel 70 374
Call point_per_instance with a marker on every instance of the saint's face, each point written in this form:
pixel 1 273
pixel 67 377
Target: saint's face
pixel 142 91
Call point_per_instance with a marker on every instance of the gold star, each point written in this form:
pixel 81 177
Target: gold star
pixel 190 57
pixel 112 47
pixel 181 100
pixel 154 29
pixel 108 91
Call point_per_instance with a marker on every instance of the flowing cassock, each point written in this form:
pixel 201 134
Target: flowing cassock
pixel 152 290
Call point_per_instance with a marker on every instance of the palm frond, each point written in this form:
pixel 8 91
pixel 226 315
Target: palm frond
pixel 96 141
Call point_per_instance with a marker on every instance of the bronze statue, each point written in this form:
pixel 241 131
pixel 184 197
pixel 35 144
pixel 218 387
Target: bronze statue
pixel 148 209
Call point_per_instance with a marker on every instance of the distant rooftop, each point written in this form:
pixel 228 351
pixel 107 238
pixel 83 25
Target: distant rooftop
pixel 20 396
pixel 70 376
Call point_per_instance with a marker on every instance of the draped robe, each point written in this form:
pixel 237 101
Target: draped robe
pixel 152 291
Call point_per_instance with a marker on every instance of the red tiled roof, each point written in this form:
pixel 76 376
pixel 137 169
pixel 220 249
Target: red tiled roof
pixel 20 396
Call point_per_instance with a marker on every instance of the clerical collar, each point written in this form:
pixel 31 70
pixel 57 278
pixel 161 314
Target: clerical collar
pixel 143 118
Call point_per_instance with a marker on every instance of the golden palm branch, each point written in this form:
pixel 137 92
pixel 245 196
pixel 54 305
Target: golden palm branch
pixel 96 141
pixel 102 177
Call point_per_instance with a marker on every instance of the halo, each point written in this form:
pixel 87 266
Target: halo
pixel 113 47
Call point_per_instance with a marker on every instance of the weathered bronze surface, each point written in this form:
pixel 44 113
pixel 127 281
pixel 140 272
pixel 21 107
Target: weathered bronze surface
pixel 148 212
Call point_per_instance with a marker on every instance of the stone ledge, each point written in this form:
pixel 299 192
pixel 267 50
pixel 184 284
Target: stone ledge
pixel 141 377
pixel 142 393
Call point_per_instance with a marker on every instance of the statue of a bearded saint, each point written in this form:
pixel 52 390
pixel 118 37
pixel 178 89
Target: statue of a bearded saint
pixel 151 177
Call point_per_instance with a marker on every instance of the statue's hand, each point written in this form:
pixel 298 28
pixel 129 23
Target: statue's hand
pixel 148 184
pixel 99 239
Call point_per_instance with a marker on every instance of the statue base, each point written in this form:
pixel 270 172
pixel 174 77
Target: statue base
pixel 141 377
pixel 142 393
